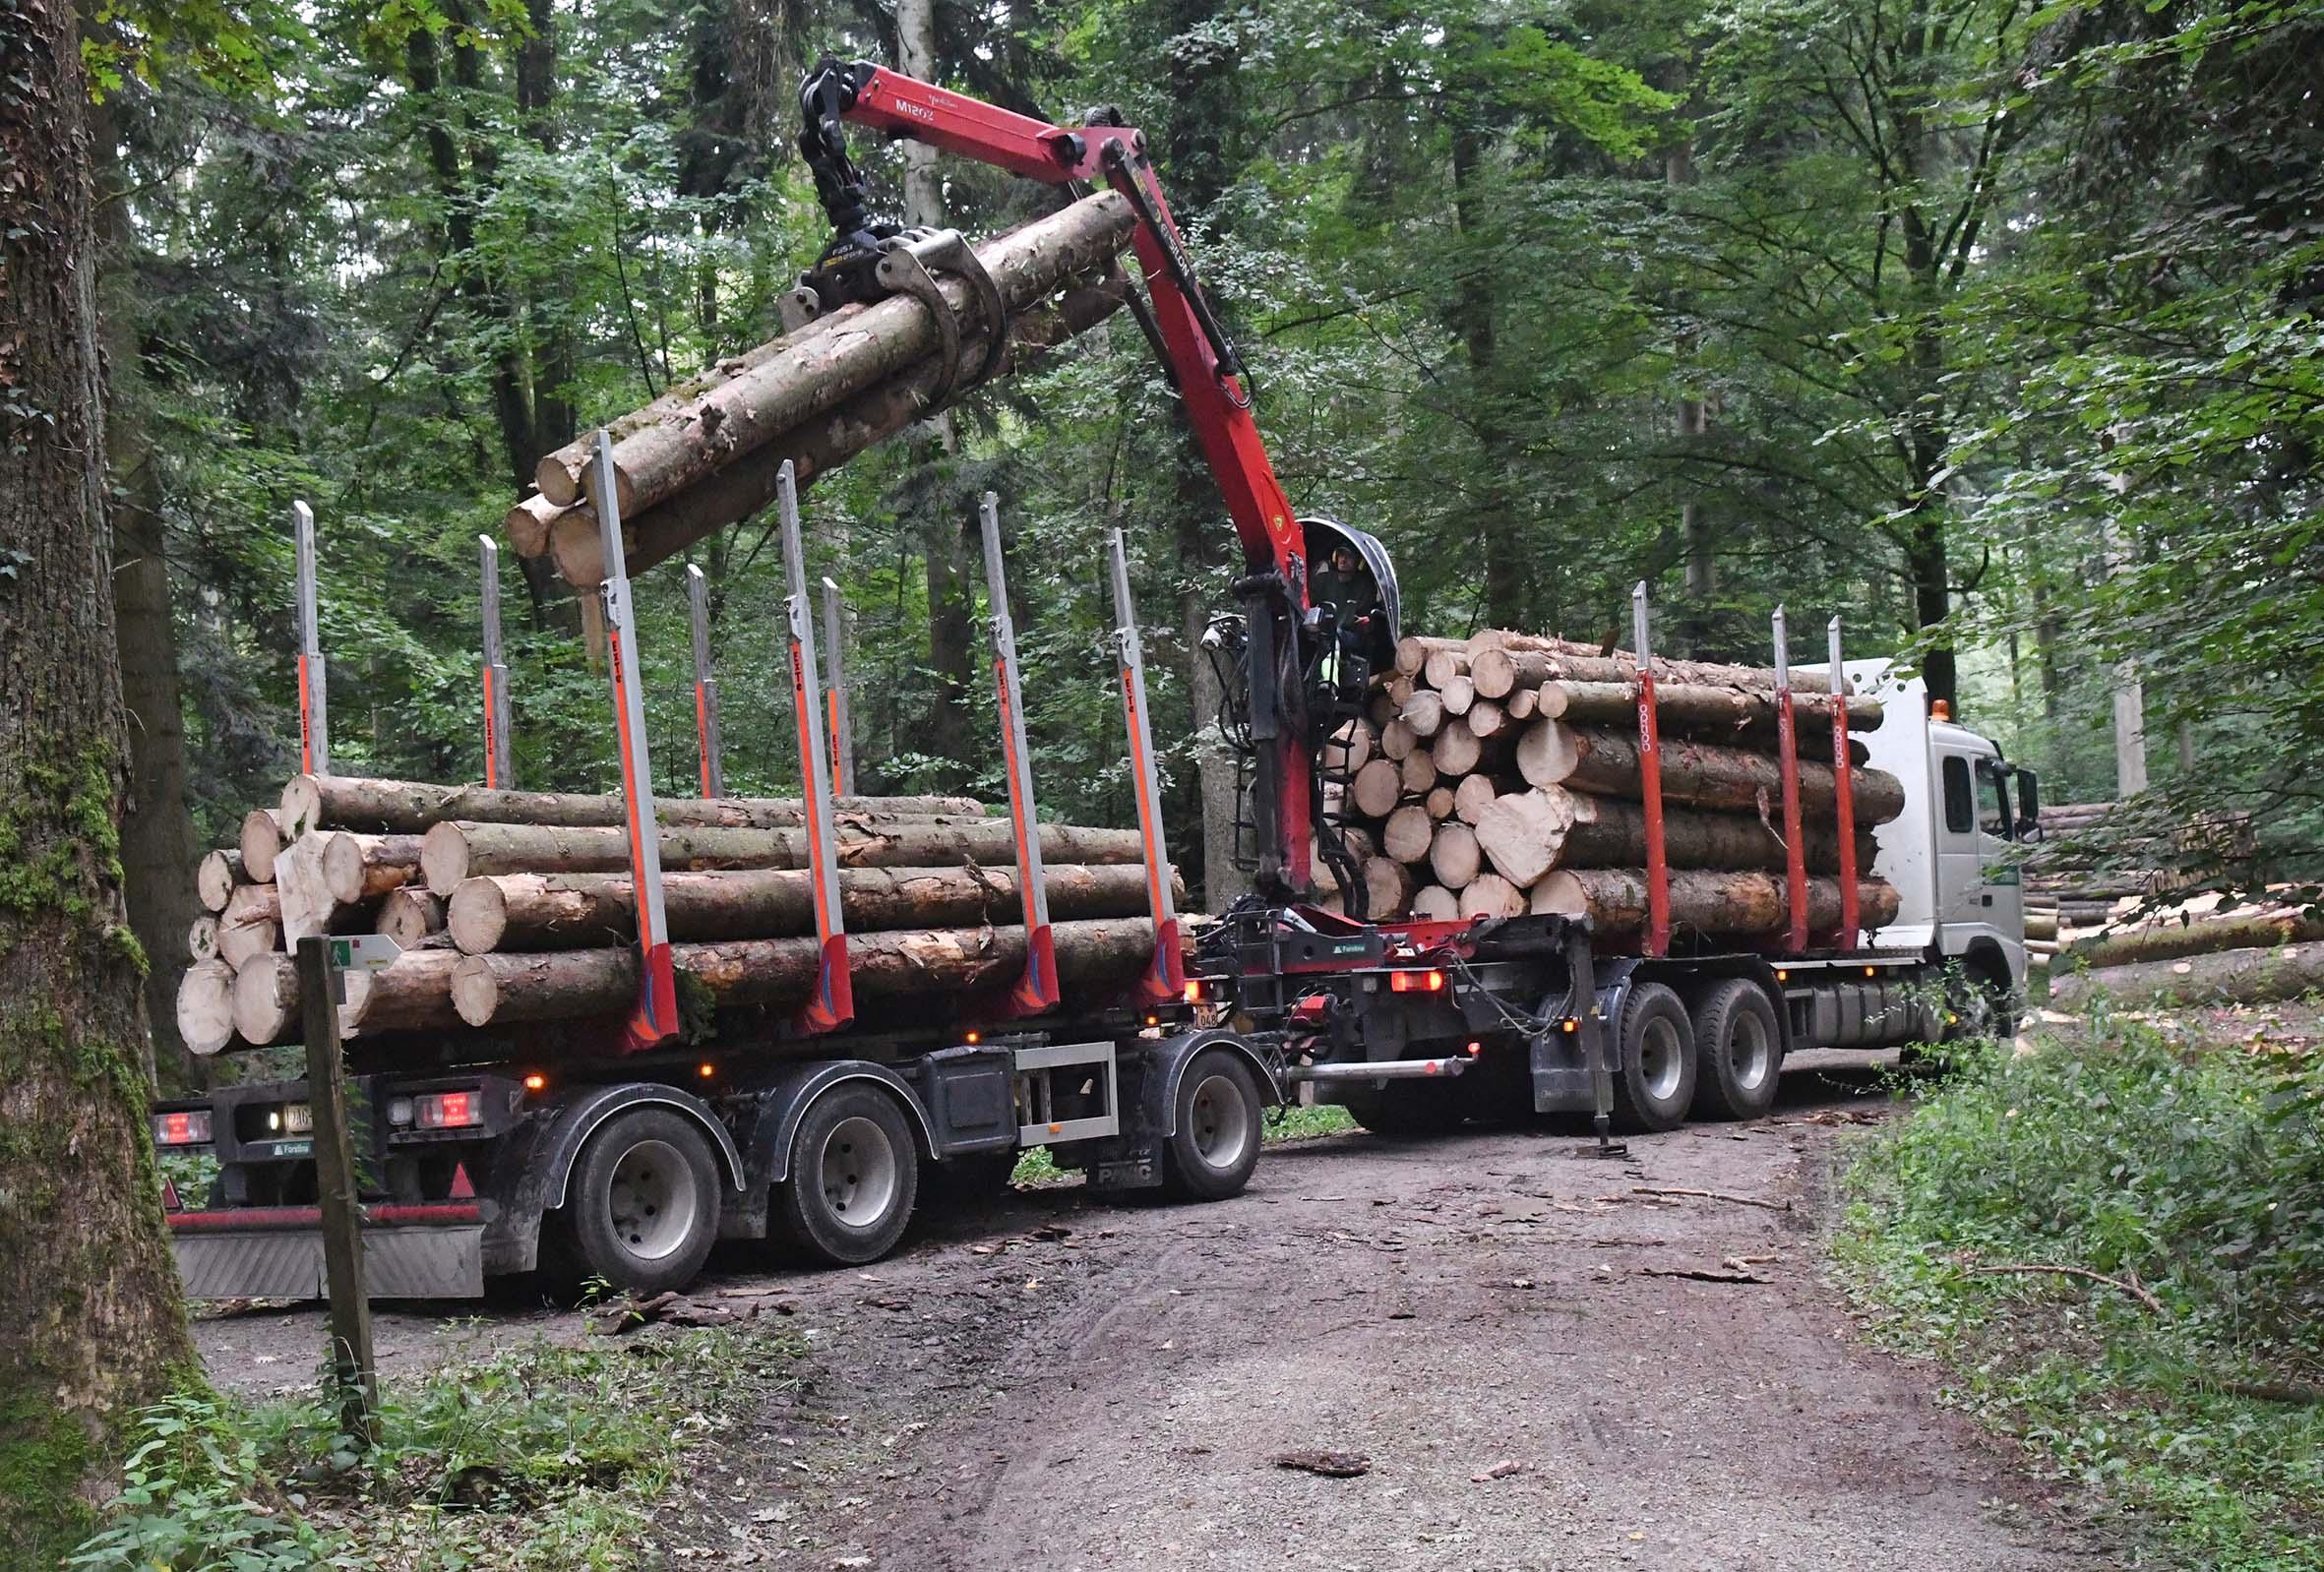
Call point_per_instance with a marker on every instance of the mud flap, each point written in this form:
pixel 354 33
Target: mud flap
pixel 442 1262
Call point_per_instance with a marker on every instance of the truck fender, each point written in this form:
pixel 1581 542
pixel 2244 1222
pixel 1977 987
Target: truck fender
pixel 530 1177
pixel 1166 1070
pixel 1614 978
pixel 769 1129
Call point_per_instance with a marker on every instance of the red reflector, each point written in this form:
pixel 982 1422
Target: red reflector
pixel 462 1190
pixel 169 1200
pixel 1312 1004
pixel 1416 981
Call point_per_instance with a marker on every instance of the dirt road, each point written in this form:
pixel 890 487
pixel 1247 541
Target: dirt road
pixel 1504 1332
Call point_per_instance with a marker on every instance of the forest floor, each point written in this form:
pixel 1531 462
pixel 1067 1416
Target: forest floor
pixel 1538 1367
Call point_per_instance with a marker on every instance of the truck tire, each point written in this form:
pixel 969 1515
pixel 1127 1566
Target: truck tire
pixel 1654 1071
pixel 855 1172
pixel 1410 1108
pixel 1214 1144
pixel 641 1206
pixel 1738 1052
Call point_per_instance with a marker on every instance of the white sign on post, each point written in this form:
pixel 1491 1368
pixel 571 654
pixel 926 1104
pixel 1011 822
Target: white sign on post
pixel 364 952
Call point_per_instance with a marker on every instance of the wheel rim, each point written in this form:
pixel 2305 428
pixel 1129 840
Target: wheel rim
pixel 859 1172
pixel 1751 1056
pixel 1659 1059
pixel 651 1200
pixel 1219 1120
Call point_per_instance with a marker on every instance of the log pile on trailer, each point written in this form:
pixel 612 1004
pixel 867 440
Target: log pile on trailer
pixel 515 908
pixel 705 454
pixel 1505 773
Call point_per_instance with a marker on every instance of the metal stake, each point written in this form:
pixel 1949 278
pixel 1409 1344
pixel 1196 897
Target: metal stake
pixel 842 732
pixel 706 686
pixel 314 712
pixel 657 1015
pixel 1657 869
pixel 1037 990
pixel 1165 980
pixel 833 1005
pixel 497 774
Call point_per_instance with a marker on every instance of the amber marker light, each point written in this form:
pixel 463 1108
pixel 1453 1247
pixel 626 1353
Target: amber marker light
pixel 536 1082
pixel 706 1069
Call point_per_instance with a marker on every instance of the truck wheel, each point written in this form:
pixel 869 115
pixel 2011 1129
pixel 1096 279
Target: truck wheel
pixel 1737 1051
pixel 1215 1145
pixel 1410 1108
pixel 641 1208
pixel 1654 1075
pixel 855 1172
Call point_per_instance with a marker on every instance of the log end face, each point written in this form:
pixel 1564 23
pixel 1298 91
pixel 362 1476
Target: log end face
pixel 475 990
pixel 477 915
pixel 444 859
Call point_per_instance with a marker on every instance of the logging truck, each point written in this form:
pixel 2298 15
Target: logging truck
pixel 1664 976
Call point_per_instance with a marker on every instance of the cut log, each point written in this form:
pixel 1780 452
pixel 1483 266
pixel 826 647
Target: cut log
pixel 1348 748
pixel 1444 665
pixel 1400 691
pixel 262 842
pixel 412 808
pixel 1408 834
pixel 1440 802
pixel 1387 887
pixel 215 878
pixel 1458 694
pixel 1490 896
pixel 202 938
pixel 458 850
pixel 413 994
pixel 1696 708
pixel 584 911
pixel 930 964
pixel 1413 652
pixel 1472 796
pixel 1434 903
pixel 1485 720
pixel 408 915
pixel 811 373
pixel 2257 975
pixel 559 475
pixel 1396 740
pixel 206 1007
pixel 1523 704
pixel 1419 773
pixel 1454 855
pixel 2040 925
pixel 1526 833
pixel 1376 787
pixel 365 868
pixel 2170 940
pixel 1380 708
pixel 1461 751
pixel 251 925
pixel 1424 712
pixel 527 524
pixel 1532 660
pixel 265 1001
pixel 1711 901
pixel 1601 759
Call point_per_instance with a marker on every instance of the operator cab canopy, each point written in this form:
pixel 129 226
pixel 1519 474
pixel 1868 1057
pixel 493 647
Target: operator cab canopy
pixel 1323 535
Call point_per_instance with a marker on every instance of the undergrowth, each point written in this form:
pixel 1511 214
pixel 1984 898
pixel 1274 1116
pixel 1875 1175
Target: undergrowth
pixel 1296 1122
pixel 540 1457
pixel 2193 1173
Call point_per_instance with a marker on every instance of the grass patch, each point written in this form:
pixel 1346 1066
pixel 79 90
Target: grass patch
pixel 2194 1171
pixel 1294 1123
pixel 540 1457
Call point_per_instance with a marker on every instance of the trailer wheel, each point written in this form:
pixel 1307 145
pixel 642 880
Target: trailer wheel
pixel 1215 1145
pixel 855 1172
pixel 641 1208
pixel 1738 1052
pixel 1654 1078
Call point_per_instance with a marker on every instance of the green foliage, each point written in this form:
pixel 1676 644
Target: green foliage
pixel 2195 1172
pixel 541 1456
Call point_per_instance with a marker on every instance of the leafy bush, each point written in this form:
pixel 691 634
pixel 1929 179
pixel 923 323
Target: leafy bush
pixel 2195 1173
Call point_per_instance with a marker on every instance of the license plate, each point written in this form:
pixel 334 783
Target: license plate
pixel 298 1118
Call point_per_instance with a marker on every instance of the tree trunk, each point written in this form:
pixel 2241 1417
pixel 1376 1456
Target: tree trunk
pixel 95 1328
pixel 2168 941
pixel 1700 774
pixel 454 852
pixel 1527 833
pixel 534 911
pixel 2258 976
pixel 1724 902
pixel 378 806
pixel 569 984
pixel 1707 711
pixel 1499 663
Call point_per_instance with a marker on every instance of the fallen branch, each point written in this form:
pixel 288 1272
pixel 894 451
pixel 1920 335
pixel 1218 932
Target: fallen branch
pixel 1716 1196
pixel 1331 1465
pixel 2130 1284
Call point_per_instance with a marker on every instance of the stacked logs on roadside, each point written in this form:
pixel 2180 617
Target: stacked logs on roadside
pixel 1500 774
pixel 518 908
pixel 706 454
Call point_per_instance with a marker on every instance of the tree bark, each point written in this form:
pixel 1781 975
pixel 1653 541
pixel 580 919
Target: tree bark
pixel 1527 833
pixel 1711 712
pixel 95 1327
pixel 534 911
pixel 1723 902
pixel 456 851
pixel 1700 774
pixel 401 806
pixel 1499 663
pixel 2170 941
pixel 2256 976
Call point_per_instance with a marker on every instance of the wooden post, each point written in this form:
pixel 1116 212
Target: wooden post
pixel 355 1371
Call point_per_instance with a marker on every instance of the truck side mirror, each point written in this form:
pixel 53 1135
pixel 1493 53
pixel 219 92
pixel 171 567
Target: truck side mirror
pixel 2029 805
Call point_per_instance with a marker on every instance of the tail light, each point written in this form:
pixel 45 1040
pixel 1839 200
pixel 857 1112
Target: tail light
pixel 1430 981
pixel 188 1128
pixel 446 1110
